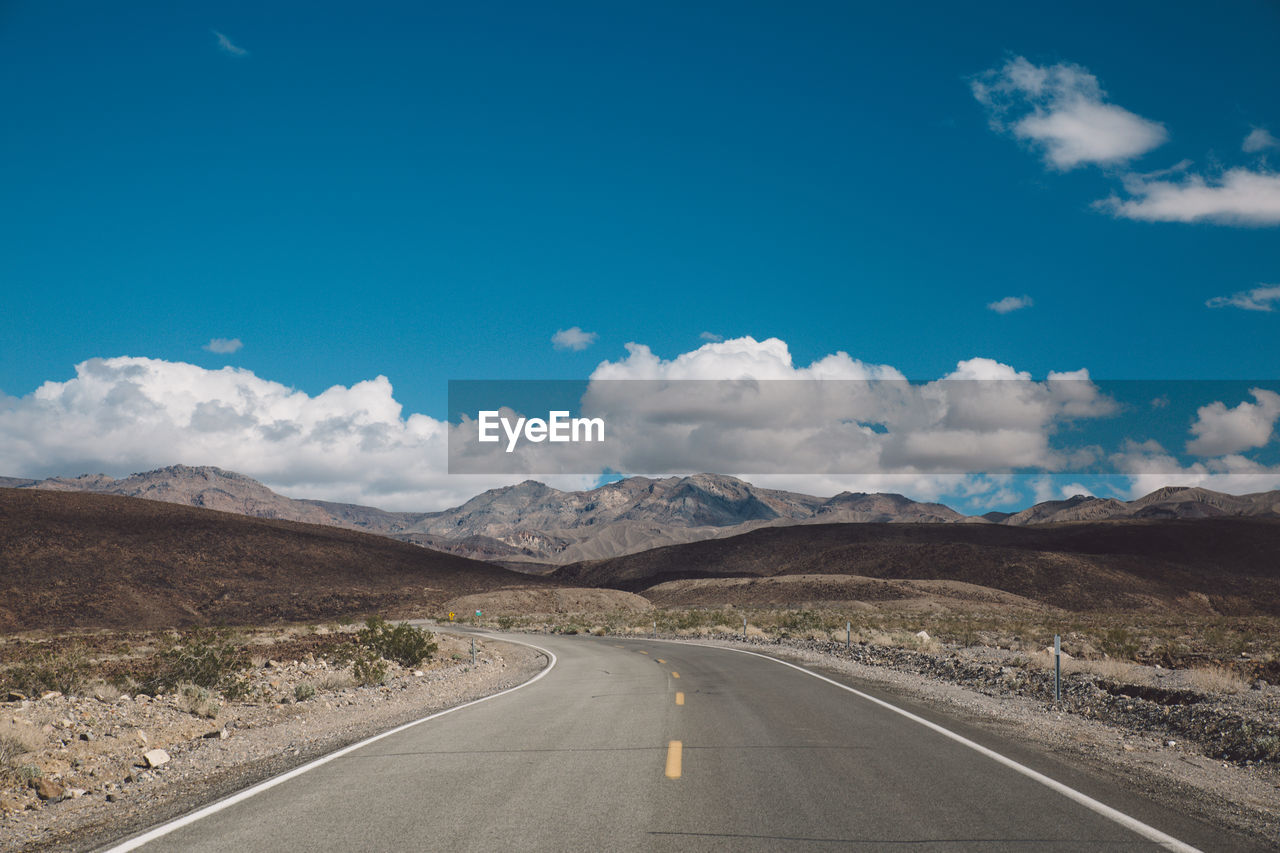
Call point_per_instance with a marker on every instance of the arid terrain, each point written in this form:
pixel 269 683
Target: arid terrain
pixel 1171 628
pixel 1223 566
pixel 69 559
pixel 533 528
pixel 109 756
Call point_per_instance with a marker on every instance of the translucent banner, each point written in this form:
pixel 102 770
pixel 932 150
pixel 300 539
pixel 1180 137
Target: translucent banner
pixel 874 426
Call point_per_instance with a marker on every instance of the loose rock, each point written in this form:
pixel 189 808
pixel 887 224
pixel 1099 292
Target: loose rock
pixel 47 789
pixel 155 757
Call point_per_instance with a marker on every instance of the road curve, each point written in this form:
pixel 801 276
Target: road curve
pixel 648 745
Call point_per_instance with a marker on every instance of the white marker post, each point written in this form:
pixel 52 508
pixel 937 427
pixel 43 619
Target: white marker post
pixel 1057 668
pixel 744 629
pixel 848 635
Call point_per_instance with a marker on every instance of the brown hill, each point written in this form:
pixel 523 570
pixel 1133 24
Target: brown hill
pixel 533 526
pixel 1231 565
pixel 72 559
pixel 1166 502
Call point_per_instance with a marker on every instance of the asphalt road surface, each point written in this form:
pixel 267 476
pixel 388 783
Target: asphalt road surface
pixel 646 745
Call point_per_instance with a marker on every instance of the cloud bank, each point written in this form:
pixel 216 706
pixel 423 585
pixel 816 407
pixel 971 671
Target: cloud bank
pixel 356 444
pixel 124 415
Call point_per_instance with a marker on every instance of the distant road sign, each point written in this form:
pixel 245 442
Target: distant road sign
pixel 452 615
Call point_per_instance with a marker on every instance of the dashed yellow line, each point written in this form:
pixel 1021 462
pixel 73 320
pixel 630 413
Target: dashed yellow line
pixel 673 759
pixel 643 652
pixel 660 660
pixel 679 698
pixel 675 675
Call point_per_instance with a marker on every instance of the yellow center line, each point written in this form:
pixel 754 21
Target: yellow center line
pixel 679 698
pixel 660 660
pixel 673 759
pixel 643 652
pixel 675 675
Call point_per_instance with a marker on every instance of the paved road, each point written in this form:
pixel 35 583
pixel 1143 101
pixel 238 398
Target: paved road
pixel 644 745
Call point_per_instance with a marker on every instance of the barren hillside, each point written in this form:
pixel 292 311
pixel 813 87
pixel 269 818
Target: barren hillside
pixel 1209 565
pixel 75 559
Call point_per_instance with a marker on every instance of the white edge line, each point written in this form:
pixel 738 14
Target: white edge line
pixel 166 828
pixel 1150 833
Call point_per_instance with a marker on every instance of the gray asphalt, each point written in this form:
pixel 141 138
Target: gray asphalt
pixel 772 759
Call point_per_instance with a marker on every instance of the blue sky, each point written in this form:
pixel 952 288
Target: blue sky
pixel 431 191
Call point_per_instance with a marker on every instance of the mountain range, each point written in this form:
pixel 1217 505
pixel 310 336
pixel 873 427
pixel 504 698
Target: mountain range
pixel 533 527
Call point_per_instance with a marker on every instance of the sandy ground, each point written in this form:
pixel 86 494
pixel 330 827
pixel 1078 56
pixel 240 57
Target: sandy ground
pixel 545 602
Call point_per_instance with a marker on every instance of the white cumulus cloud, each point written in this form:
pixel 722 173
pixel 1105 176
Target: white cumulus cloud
pixel 123 415
pixel 573 338
pixel 1261 298
pixel 1259 139
pixel 1010 303
pixel 1220 431
pixel 224 346
pixel 1062 110
pixel 1238 197
pixel 1149 466
pixel 743 406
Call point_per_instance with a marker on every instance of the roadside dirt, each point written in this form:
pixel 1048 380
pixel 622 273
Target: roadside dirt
pixel 528 602
pixel 94 782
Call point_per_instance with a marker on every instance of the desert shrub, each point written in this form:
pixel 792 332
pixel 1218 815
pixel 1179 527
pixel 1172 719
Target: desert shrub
pixel 1119 643
pixel 303 692
pixel 197 700
pixel 800 620
pixel 506 622
pixel 339 680
pixel 1215 679
pixel 104 691
pixel 206 659
pixel 367 667
pixel 15 742
pixel 64 671
pixel 11 749
pixel 403 643
pixel 1110 669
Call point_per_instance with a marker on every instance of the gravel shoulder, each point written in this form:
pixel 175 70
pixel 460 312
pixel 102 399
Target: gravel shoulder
pixel 1178 755
pixel 91 751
